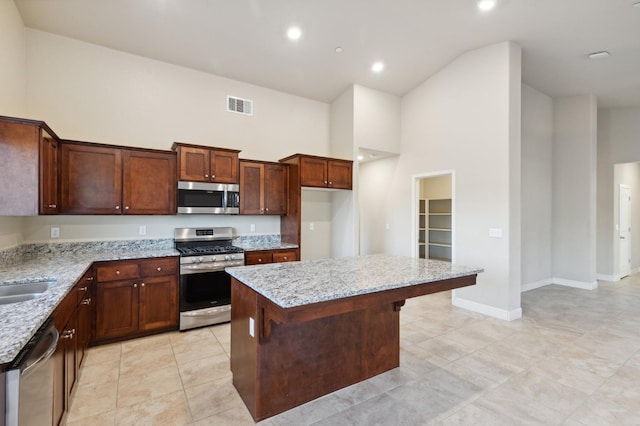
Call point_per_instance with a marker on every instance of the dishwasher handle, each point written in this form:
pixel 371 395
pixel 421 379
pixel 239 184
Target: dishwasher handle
pixel 46 352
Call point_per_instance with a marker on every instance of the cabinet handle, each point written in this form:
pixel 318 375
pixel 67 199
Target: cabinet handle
pixel 67 335
pixel 158 269
pixel 259 260
pixel 261 210
pixel 267 209
pixel 285 258
pixel 126 207
pixel 135 285
pixel 117 207
pixel 141 284
pixel 89 278
pixel 330 183
pixel 82 288
pixel 207 176
pixel 213 176
pixel 86 301
pixel 52 206
pixel 325 182
pixel 117 272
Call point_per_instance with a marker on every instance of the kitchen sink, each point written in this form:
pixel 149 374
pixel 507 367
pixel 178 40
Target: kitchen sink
pixel 13 293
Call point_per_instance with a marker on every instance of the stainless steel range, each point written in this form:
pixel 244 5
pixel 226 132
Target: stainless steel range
pixel 205 288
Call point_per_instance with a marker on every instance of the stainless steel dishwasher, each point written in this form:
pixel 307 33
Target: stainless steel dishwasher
pixel 29 380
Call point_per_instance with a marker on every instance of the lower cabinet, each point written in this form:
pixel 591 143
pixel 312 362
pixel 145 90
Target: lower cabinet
pixel 73 319
pixel 270 256
pixel 136 297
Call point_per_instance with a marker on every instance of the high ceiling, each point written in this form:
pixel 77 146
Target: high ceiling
pixel 246 40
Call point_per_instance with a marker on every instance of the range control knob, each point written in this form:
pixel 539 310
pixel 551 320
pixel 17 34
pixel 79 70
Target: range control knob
pixel 199 260
pixel 227 258
pixel 213 258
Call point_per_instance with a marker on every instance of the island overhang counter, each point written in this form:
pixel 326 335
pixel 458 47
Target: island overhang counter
pixel 300 330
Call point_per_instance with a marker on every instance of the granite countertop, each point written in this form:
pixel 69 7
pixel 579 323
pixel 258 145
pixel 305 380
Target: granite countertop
pixel 65 263
pixel 294 284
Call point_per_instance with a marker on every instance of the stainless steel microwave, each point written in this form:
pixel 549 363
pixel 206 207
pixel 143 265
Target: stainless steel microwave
pixel 208 198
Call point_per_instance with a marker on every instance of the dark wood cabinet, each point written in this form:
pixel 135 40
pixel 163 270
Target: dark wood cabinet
pixel 49 176
pixel 29 164
pixel 325 172
pixel 262 257
pixel 73 319
pixel 263 188
pixel 134 298
pixel 102 179
pixel 203 164
pixel 149 182
pixel 91 179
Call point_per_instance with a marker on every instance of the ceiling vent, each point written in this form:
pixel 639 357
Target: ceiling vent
pixel 241 106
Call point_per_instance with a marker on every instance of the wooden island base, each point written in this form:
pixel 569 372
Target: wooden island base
pixel 282 358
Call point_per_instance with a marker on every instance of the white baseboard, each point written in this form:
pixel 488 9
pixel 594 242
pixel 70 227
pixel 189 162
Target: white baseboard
pixel 610 278
pixel 534 285
pixel 576 284
pixel 487 310
pixel 635 271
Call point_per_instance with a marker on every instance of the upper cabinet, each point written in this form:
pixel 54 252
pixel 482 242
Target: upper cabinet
pixel 29 165
pixel 263 188
pixel 203 164
pixel 102 179
pixel 321 172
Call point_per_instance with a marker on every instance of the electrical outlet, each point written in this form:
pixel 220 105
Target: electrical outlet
pixel 311 226
pixel 143 230
pixel 252 327
pixel 55 232
pixel 253 227
pixel 387 226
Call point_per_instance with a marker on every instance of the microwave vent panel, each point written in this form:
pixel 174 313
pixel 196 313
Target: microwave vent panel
pixel 241 106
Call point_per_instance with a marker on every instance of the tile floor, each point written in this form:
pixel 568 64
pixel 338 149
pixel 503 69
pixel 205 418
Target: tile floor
pixel 574 359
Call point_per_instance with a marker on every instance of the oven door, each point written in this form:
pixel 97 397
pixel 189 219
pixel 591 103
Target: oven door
pixel 201 198
pixel 204 290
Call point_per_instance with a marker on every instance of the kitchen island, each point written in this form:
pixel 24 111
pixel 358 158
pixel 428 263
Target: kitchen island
pixel 300 330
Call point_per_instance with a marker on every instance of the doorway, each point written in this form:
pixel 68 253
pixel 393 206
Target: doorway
pixel 624 232
pixel 433 205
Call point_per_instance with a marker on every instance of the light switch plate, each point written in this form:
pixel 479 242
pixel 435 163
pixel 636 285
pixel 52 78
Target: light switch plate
pixel 252 227
pixel 143 230
pixel 55 232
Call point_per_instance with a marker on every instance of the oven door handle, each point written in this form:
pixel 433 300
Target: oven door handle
pixel 206 313
pixel 194 269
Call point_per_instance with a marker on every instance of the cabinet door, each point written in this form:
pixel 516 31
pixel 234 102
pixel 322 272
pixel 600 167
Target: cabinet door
pixel 251 188
pixel 224 166
pixel 158 302
pixel 313 172
pixel 49 177
pixel 276 183
pixel 339 174
pixel 71 359
pixel 258 258
pixel 149 182
pixel 91 179
pixel 60 397
pixel 116 309
pixel 285 256
pixel 194 164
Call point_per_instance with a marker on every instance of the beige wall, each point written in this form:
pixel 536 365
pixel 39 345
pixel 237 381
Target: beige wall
pixel 437 187
pixel 618 131
pixel 12 94
pixel 472 136
pixel 574 191
pixel 87 92
pixel 537 141
pixel 376 123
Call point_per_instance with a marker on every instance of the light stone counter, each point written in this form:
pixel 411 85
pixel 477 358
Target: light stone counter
pixel 294 284
pixel 65 263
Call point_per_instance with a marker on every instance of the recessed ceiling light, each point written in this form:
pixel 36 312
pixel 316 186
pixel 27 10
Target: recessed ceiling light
pixel 338 49
pixel 485 5
pixel 294 33
pixel 377 67
pixel 599 55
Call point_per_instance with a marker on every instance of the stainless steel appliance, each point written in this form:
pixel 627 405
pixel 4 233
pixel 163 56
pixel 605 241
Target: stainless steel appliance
pixel 205 288
pixel 29 380
pixel 208 198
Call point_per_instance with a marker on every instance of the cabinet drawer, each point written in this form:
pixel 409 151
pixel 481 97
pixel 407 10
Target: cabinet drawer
pixel 285 256
pixel 121 271
pixel 257 258
pixel 159 267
